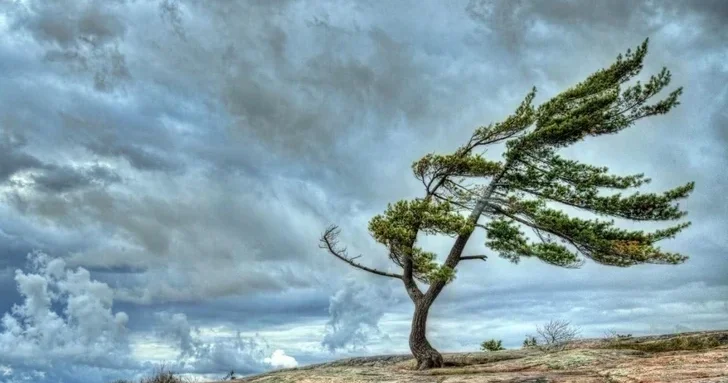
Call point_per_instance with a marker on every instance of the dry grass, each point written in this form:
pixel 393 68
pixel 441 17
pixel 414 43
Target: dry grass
pixel 680 343
pixel 161 376
pixel 699 357
pixel 695 357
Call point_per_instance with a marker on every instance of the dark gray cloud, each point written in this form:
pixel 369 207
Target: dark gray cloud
pixel 188 154
pixel 48 177
pixel 13 159
pixel 82 36
pixel 61 179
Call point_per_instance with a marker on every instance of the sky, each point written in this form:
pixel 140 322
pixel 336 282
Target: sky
pixel 168 166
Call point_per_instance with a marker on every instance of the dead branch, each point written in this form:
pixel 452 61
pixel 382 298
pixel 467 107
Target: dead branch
pixel 329 241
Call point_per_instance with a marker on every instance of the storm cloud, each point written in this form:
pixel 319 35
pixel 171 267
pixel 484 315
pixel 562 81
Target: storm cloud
pixel 177 161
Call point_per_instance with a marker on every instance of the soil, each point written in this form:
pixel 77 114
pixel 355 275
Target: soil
pixel 686 358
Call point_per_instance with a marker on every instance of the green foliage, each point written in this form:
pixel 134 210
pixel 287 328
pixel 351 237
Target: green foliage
pixel 505 237
pixel 599 240
pixel 596 106
pixel 462 165
pixel 516 123
pixel 401 222
pixel 397 229
pixel 548 176
pixel 530 341
pixel 491 345
pixel 533 174
pixel 520 190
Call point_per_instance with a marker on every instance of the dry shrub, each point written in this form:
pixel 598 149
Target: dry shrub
pixel 556 335
pixel 672 344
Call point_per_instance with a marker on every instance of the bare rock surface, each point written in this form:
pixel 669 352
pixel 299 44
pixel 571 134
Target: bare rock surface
pixel 687 357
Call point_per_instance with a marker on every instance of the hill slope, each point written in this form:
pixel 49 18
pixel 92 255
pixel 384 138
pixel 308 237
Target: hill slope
pixel 687 357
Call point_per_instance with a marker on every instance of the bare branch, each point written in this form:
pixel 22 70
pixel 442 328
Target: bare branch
pixel 467 257
pixel 452 201
pixel 539 234
pixel 329 240
pixel 557 334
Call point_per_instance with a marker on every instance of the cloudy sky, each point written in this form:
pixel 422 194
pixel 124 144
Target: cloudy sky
pixel 167 167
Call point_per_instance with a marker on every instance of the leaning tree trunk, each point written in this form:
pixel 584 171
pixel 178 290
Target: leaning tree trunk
pixel 427 357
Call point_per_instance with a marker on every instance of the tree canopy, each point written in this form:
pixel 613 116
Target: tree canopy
pixel 531 176
pixel 520 190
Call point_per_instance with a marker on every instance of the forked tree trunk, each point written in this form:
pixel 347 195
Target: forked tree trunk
pixel 427 357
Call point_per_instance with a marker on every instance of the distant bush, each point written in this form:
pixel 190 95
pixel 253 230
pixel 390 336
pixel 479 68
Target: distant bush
pixel 620 336
pixel 530 341
pixel 161 376
pixel 556 335
pixel 164 377
pixel 672 344
pixel 491 345
pixel 612 335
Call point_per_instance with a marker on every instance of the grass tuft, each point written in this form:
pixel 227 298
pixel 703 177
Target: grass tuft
pixel 672 344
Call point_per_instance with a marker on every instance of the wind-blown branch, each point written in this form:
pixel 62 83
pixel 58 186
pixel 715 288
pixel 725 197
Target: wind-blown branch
pixel 468 257
pixel 329 240
pixel 456 251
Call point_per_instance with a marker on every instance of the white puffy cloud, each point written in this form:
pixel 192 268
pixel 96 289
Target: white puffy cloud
pixel 65 328
pixel 279 359
pixel 65 320
pixel 201 354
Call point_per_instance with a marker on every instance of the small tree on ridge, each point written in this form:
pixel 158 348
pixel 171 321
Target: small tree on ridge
pixel 518 188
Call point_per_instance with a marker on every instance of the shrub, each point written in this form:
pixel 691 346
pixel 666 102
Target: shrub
pixel 612 335
pixel 530 341
pixel 491 345
pixel 672 344
pixel 163 377
pixel 557 334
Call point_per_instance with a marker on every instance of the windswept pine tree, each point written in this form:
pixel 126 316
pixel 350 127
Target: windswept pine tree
pixel 465 192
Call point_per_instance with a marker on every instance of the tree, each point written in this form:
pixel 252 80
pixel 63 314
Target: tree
pixel 556 334
pixel 492 345
pixel 519 191
pixel 530 341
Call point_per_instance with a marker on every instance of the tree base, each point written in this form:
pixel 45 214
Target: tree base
pixel 431 359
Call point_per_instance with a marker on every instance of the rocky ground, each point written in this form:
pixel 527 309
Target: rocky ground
pixel 687 358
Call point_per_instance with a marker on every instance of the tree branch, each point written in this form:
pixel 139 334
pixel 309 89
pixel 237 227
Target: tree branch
pixel 329 240
pixel 583 249
pixel 582 206
pixel 457 249
pixel 467 257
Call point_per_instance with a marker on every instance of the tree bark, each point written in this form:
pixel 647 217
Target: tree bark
pixel 426 355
